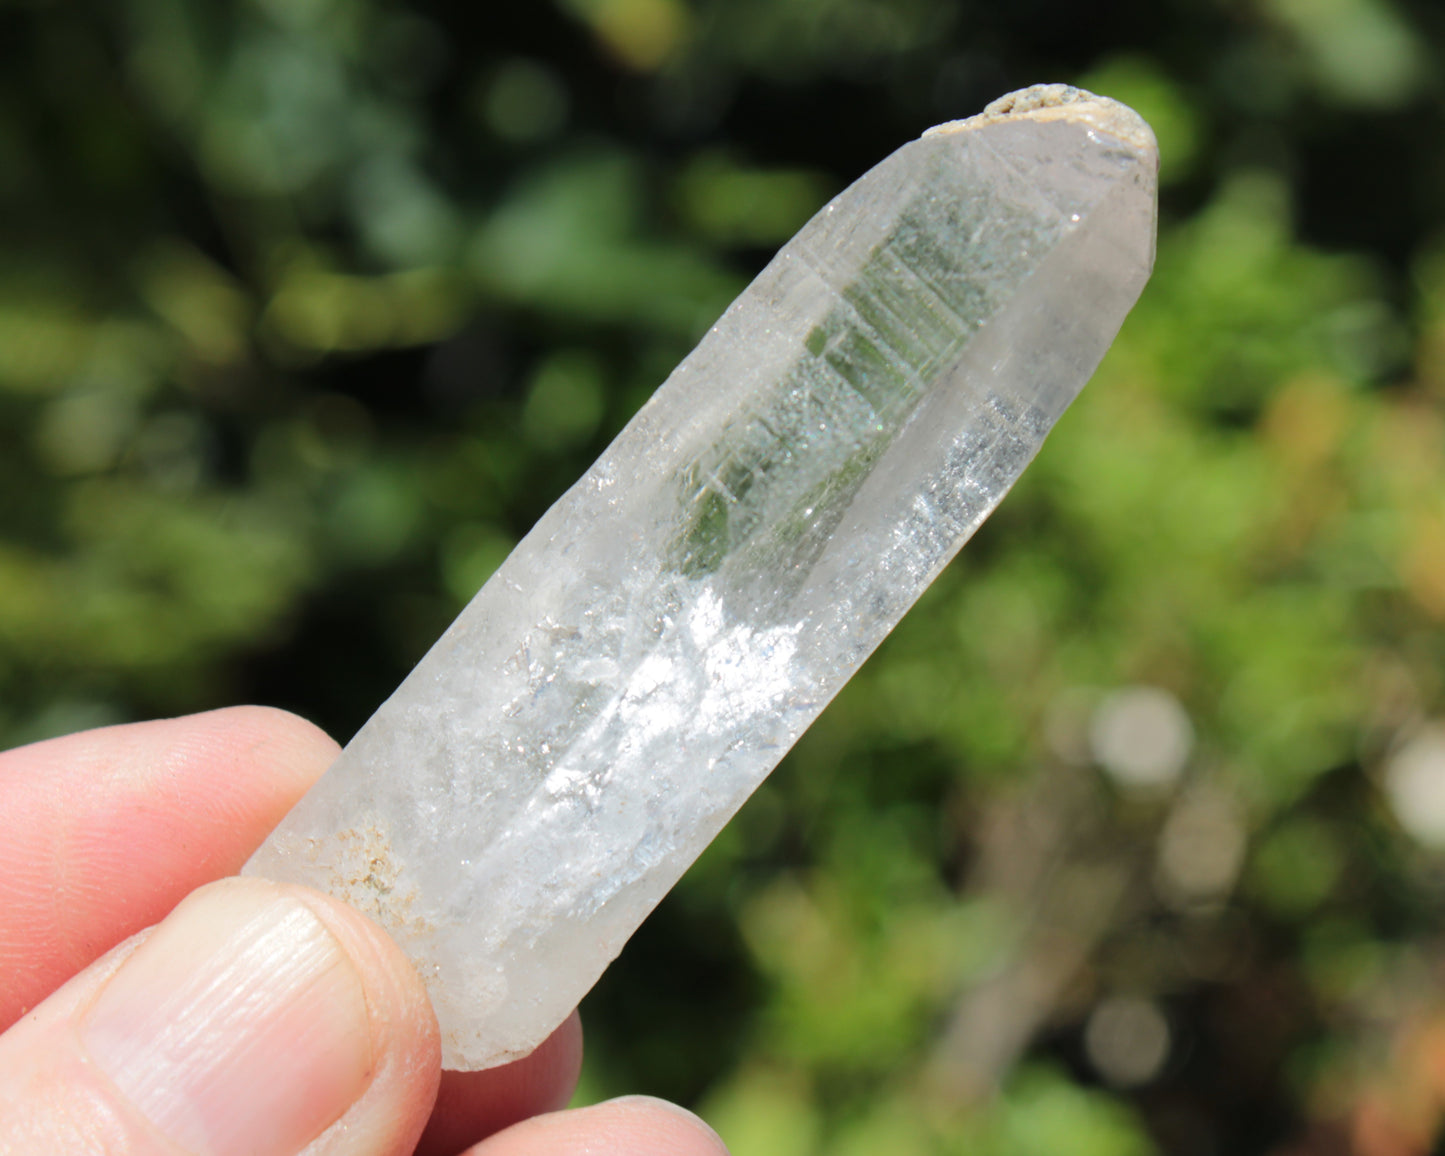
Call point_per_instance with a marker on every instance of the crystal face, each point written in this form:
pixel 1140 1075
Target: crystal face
pixel 671 626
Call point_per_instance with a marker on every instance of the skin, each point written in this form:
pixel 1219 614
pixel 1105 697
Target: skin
pixel 152 1004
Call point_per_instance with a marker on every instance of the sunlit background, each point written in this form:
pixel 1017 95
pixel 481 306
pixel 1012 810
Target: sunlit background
pixel 1131 840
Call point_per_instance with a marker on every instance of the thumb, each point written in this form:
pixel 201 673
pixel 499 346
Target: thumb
pixel 256 1018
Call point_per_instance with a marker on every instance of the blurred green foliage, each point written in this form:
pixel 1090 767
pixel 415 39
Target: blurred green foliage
pixel 308 308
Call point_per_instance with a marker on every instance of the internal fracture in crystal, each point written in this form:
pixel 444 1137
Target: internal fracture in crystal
pixel 671 626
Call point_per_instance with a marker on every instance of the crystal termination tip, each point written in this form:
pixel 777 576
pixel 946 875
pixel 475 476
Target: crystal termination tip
pixel 1045 102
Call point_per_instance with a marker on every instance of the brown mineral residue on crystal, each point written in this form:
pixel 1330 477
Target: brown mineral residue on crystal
pixel 1046 102
pixel 364 872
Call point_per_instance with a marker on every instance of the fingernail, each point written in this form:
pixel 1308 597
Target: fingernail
pixel 239 1027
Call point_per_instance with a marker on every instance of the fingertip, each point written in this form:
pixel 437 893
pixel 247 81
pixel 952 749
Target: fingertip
pixel 292 747
pixel 661 1126
pixel 629 1126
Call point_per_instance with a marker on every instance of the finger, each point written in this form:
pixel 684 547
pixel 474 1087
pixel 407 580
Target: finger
pixel 107 830
pixel 473 1105
pixel 631 1126
pixel 256 1019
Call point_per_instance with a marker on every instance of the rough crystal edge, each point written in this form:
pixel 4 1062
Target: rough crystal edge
pixel 1062 102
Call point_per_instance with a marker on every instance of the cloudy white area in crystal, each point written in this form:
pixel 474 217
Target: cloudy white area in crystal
pixel 668 629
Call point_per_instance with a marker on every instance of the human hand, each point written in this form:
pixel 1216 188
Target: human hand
pixel 255 1018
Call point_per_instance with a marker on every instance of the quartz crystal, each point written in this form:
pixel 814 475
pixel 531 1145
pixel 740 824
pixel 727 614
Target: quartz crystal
pixel 670 627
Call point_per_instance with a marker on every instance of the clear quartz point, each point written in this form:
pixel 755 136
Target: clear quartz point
pixel 671 626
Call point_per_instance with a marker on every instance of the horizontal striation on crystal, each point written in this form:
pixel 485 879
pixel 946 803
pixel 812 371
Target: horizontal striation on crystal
pixel 671 626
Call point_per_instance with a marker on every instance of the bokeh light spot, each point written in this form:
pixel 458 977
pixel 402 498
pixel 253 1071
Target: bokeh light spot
pixel 1415 786
pixel 1127 1040
pixel 1141 737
